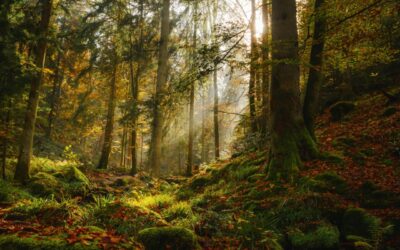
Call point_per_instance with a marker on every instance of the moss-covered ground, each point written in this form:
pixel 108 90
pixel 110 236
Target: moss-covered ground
pixel 352 203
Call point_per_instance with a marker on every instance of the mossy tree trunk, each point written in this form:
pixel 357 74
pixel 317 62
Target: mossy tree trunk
pixel 162 75
pixel 315 76
pixel 108 131
pixel 25 150
pixel 291 142
pixel 215 86
pixel 253 69
pixel 265 69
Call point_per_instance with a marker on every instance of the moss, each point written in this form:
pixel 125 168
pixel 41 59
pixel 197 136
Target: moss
pixel 14 242
pixel 199 182
pixel 48 212
pixel 11 193
pixel 73 174
pixel 358 222
pixel 256 177
pixel 160 238
pixel 325 236
pixel 288 151
pixel 329 182
pixel 44 184
pixel 340 109
pixel 124 218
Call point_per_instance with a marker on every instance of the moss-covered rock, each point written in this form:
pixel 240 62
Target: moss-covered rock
pixel 373 196
pixel 44 184
pixel 160 238
pixel 324 236
pixel 329 182
pixel 358 222
pixel 73 174
pixel 340 109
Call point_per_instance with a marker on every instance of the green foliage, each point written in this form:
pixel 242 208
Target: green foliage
pixel 125 218
pixel 168 238
pixel 328 182
pixel 14 242
pixel 11 193
pixel 358 222
pixel 199 182
pixel 178 210
pixel 325 236
pixel 47 211
pixel 156 201
pixel 44 184
pixel 245 172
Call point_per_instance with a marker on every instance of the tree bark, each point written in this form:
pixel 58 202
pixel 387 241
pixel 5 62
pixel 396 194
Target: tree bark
pixel 108 131
pixel 162 75
pixel 189 166
pixel 253 69
pixel 291 142
pixel 215 86
pixel 6 138
pixel 25 151
pixel 265 70
pixel 55 96
pixel 315 76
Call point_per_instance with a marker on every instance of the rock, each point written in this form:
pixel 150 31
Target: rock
pixel 159 238
pixel 340 109
pixel 199 182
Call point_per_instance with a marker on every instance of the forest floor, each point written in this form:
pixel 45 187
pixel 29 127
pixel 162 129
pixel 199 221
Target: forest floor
pixel 350 202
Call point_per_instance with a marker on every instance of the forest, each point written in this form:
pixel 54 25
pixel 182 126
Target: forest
pixel 200 124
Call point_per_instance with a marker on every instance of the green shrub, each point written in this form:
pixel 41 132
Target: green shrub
pixel 47 211
pixel 325 236
pixel 178 210
pixel 160 238
pixel 156 201
pixel 358 222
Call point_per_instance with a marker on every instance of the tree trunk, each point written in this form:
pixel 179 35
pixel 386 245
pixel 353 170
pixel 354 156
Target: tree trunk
pixel 108 131
pixel 6 138
pixel 55 96
pixel 315 76
pixel 253 69
pixel 265 70
pixel 189 166
pixel 291 141
pixel 162 75
pixel 215 86
pixel 123 144
pixel 25 151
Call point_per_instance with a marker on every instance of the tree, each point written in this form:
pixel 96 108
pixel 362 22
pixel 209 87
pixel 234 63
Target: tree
pixel 108 131
pixel 265 69
pixel 315 76
pixel 253 69
pixel 290 140
pixel 25 151
pixel 215 86
pixel 162 76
